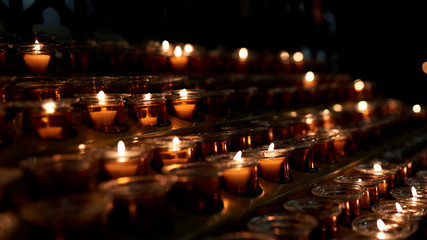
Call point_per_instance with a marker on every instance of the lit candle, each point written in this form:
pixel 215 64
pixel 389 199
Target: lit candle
pixel 148 109
pixel 363 108
pixel 184 104
pixel 274 164
pixel 298 59
pixel 37 61
pixel 185 109
pixel 105 116
pixel 148 120
pixel 178 61
pixel 48 131
pixel 237 178
pixel 309 80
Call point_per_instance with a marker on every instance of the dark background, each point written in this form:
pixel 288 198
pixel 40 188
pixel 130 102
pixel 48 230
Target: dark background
pixel 379 41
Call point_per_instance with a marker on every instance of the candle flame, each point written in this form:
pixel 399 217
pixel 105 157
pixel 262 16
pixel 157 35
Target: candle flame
pixel 178 51
pixel 121 149
pixel 188 48
pixel 414 192
pixel 399 207
pixel 284 56
pixel 183 93
pixel 147 96
pixel 49 107
pixel 271 147
pixel 381 225
pixel 337 107
pixel 359 85
pixel 37 46
pixel 309 76
pixel 359 180
pixel 416 108
pixel 175 141
pixel 238 156
pixel 243 54
pixel 298 57
pixel 377 167
pixel 362 106
pixel 165 45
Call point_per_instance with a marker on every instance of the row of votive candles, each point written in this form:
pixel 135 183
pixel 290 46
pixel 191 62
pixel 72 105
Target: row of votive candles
pixel 141 195
pixel 42 58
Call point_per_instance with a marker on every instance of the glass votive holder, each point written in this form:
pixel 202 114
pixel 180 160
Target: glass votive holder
pixel 45 89
pixel 95 84
pixel 246 137
pixel 243 235
pixel 197 188
pixel 403 167
pixel 214 143
pixel 185 104
pixel 138 84
pixel 76 216
pixel 240 173
pixel 301 157
pixel 104 112
pixel 415 210
pixel 343 142
pixel 148 109
pixel 60 174
pixel 383 169
pixel 123 161
pixel 370 182
pixel 273 164
pixel 410 194
pixel 140 204
pixel 325 210
pixel 379 226
pixel 173 150
pixel 417 182
pixel 37 56
pixel 48 119
pixel 218 102
pixel 349 194
pixel 323 148
pixel 296 226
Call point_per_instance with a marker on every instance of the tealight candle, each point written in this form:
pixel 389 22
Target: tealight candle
pixel 124 162
pixel 383 169
pixel 384 226
pixel 148 109
pixel 104 112
pixel 37 57
pixel 349 194
pixel 140 204
pixel 246 137
pixel 178 61
pixel 409 193
pixel 323 148
pixel 184 104
pixel 415 210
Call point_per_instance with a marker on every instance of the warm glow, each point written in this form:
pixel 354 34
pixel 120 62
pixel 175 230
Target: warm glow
pixel 298 57
pixel 326 112
pixel 82 147
pixel 414 192
pixel 243 54
pixel 399 208
pixel 293 114
pixel 271 147
pixel 123 180
pixel 309 119
pixel 49 107
pixel 284 56
pixel 359 85
pixel 37 46
pixel 101 96
pixel 178 51
pixel 121 149
pixel 165 45
pixel 381 225
pixel 424 67
pixel 147 96
pixel 309 76
pixel 359 180
pixel 183 93
pixel 188 48
pixel 377 167
pixel 238 156
pixel 416 108
pixel 175 141
pixel 362 106
pixel 337 107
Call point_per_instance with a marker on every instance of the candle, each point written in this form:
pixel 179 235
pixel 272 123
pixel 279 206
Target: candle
pixel 122 162
pixel 383 169
pixel 409 193
pixel 104 112
pixel 198 186
pixel 309 80
pixel 148 109
pixel 37 60
pixel 184 104
pixel 415 210
pixel 298 60
pixel 179 62
pixel 302 156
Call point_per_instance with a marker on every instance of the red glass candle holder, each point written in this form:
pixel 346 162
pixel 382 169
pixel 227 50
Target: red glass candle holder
pixel 48 119
pixel 326 211
pixel 172 150
pixel 60 174
pixel 95 84
pixel 104 112
pixel 246 137
pixel 301 157
pixel 154 56
pixel 124 161
pixel 383 169
pixel 214 143
pixel 37 57
pixel 197 188
pixel 349 194
pixel 185 104
pixel 81 57
pixel 50 89
pixel 370 182
pixel 273 165
pixel 343 142
pixel 323 148
pixel 140 205
pixel 179 60
pixel 139 84
pixel 218 102
pixel 148 109
pixel 297 226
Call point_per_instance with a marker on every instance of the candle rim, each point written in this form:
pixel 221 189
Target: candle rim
pixel 323 207
pixel 367 225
